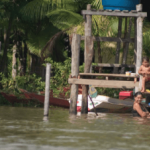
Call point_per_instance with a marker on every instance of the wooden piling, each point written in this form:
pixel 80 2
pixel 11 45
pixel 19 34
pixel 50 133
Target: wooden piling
pixel 88 34
pixel 88 62
pixel 135 41
pixel 75 47
pixel 139 48
pixel 47 92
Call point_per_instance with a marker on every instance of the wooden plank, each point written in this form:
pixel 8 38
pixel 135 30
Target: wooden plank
pixel 114 13
pixel 110 39
pixel 107 75
pixel 75 47
pixel 113 65
pixel 105 83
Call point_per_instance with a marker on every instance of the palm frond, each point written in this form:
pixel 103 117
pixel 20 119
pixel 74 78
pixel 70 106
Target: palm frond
pixel 64 19
pixel 37 9
pixel 48 48
pixel 97 4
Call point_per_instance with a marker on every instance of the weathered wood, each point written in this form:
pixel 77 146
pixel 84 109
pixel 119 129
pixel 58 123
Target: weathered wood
pixel 135 41
pixel 110 39
pixel 105 83
pixel 47 92
pixel 88 28
pixel 113 65
pixel 14 61
pixel 114 13
pixel 118 45
pixel 139 7
pixel 106 75
pixel 87 52
pixel 88 62
pixel 139 48
pixel 75 47
pixel 125 52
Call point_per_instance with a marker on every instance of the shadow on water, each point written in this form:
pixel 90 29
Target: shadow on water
pixel 24 129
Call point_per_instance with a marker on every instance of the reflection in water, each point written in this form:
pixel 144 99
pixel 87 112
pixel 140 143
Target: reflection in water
pixel 23 129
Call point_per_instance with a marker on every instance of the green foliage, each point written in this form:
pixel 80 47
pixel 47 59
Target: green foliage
pixel 61 72
pixel 146 43
pixel 3 101
pixel 64 19
pixel 31 83
pixel 109 92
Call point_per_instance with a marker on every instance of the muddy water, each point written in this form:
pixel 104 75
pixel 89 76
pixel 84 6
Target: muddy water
pixel 23 129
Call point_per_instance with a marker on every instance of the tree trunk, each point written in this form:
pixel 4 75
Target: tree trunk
pixel 20 67
pixel 14 70
pixel 3 63
pixel 25 58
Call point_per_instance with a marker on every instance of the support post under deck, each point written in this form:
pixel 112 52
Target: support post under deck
pixel 88 33
pixel 75 47
pixel 139 48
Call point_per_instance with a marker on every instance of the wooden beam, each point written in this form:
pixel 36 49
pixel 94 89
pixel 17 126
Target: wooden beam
pixel 105 83
pixel 107 75
pixel 110 39
pixel 114 13
pixel 75 47
pixel 113 65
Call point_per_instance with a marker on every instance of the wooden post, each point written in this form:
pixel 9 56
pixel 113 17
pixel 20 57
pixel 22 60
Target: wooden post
pixel 88 33
pixel 75 47
pixel 139 48
pixel 125 53
pixel 118 45
pixel 47 92
pixel 138 8
pixel 135 41
pixel 90 52
pixel 88 27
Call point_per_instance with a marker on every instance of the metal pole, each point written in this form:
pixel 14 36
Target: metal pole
pixel 47 92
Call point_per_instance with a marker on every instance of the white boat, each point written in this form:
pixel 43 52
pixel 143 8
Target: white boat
pixel 106 104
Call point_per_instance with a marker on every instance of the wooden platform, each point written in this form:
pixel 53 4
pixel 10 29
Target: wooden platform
pixel 105 83
pixel 107 75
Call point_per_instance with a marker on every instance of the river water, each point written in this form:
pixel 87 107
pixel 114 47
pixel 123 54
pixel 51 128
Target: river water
pixel 23 129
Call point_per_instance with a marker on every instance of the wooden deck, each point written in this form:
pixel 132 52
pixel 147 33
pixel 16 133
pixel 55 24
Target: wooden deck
pixel 107 75
pixel 85 79
pixel 105 83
